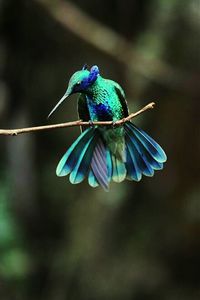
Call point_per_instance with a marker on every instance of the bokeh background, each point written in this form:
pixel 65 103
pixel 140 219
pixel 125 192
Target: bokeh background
pixel 140 241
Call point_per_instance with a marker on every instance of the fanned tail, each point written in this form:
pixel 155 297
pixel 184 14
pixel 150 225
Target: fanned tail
pixel 90 156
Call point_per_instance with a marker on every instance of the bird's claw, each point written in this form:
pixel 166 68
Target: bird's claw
pixel 91 123
pixel 113 124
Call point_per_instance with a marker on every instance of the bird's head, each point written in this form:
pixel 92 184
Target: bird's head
pixel 79 83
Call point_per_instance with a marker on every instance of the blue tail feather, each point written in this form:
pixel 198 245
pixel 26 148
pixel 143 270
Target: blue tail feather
pixel 87 156
pixel 143 152
pixel 143 166
pixel 151 146
pixel 109 164
pixel 119 169
pixel 133 172
pixel 137 161
pixel 69 159
pixel 148 154
pixel 142 161
pixel 147 157
pixel 83 163
pixel 99 164
pixel 92 179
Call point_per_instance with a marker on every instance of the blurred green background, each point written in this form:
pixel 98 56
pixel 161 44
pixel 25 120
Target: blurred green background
pixel 140 241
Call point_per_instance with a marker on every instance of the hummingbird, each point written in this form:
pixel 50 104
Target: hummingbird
pixel 106 153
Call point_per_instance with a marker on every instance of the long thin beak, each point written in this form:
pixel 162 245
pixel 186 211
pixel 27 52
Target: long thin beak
pixel 59 102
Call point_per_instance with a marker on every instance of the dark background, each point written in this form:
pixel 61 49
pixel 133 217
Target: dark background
pixel 59 241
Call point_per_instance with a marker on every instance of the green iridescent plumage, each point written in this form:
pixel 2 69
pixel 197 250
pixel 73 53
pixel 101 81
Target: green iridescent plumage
pixel 105 153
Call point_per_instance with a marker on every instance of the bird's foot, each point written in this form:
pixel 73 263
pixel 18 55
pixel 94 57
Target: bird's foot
pixel 113 124
pixel 91 123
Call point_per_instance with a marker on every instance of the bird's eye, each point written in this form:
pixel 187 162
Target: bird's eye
pixel 78 83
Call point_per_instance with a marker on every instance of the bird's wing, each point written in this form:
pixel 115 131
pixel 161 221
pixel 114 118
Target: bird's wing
pixel 121 95
pixel 83 111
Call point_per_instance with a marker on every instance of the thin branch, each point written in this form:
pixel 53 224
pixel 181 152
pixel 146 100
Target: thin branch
pixel 74 123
